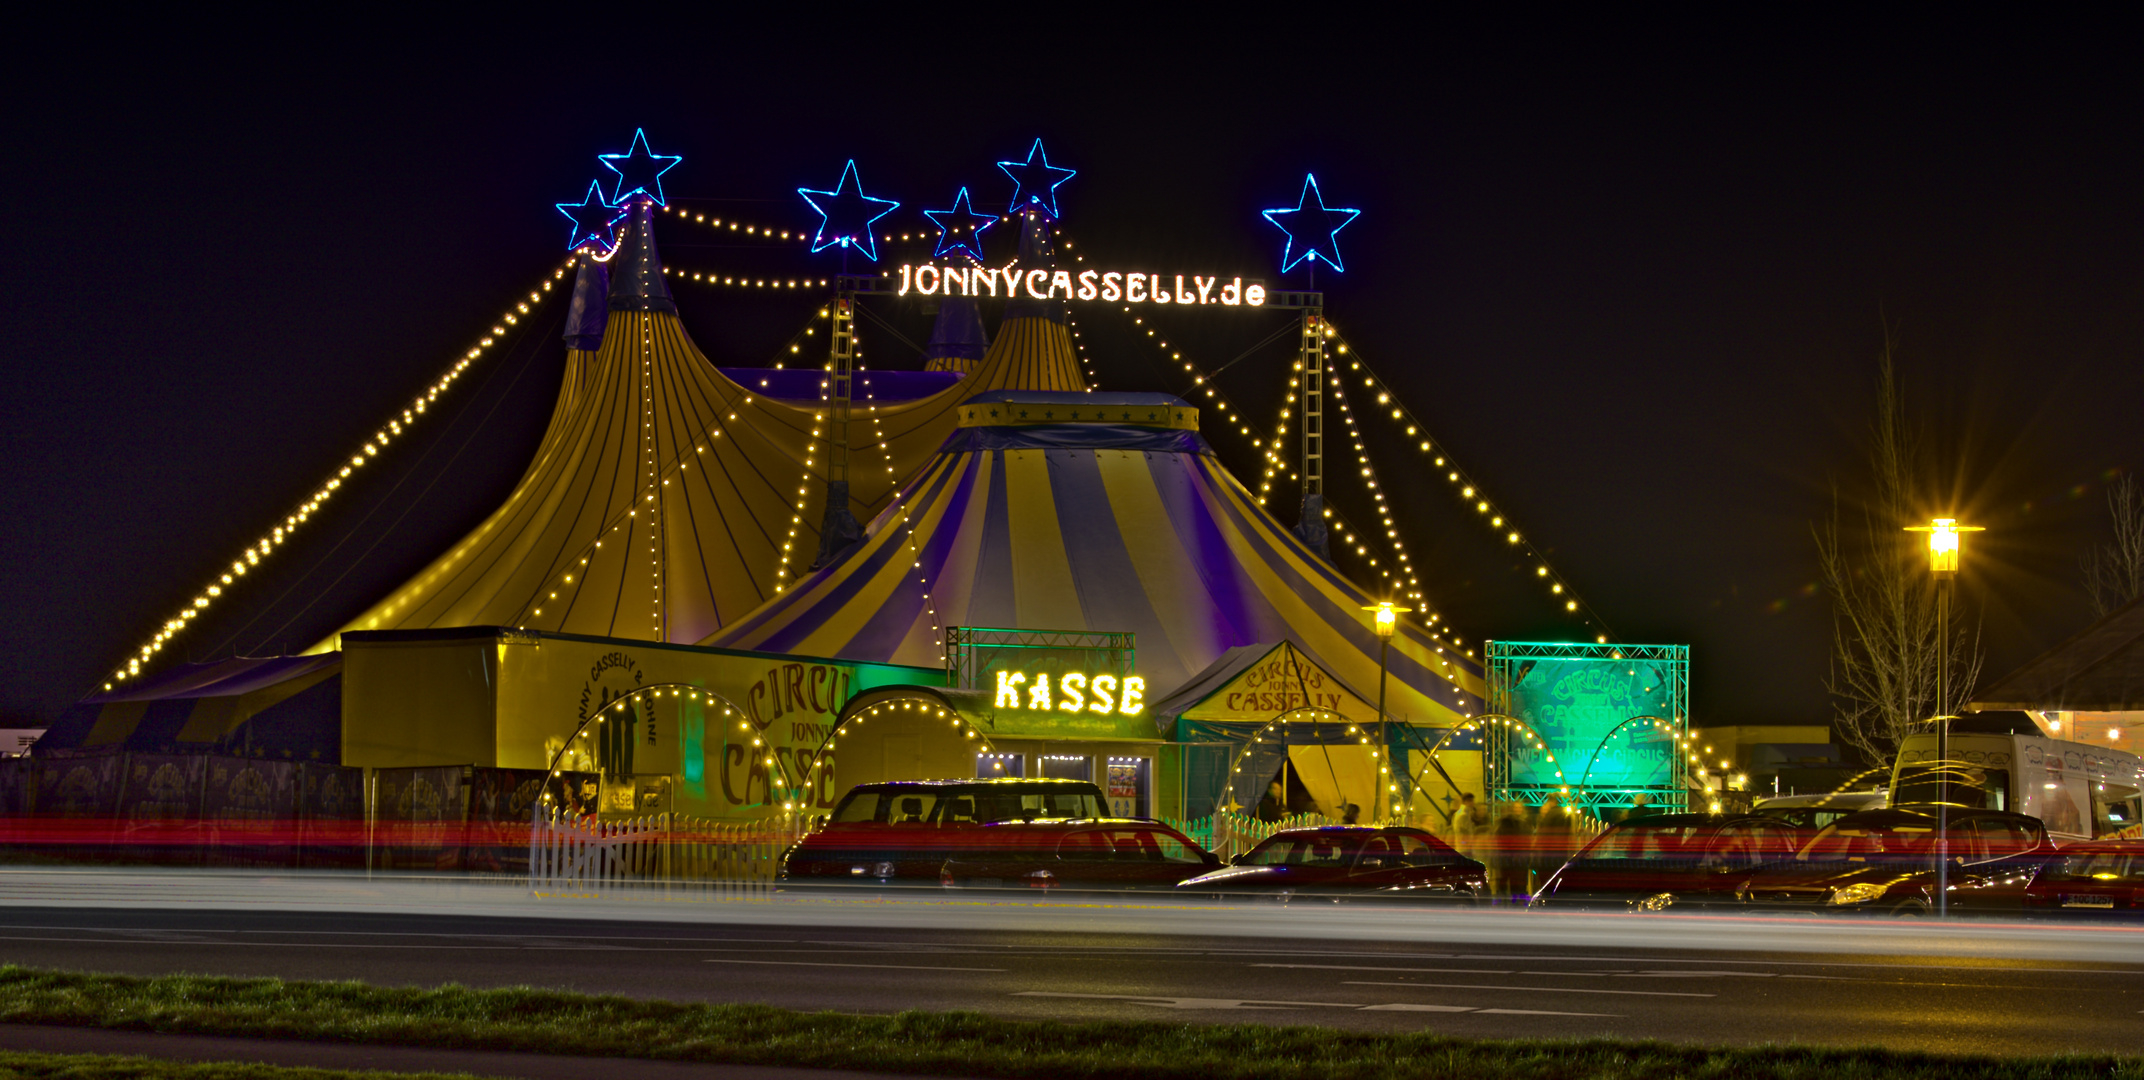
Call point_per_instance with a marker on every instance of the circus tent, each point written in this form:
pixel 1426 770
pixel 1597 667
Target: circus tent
pixel 1096 512
pixel 666 499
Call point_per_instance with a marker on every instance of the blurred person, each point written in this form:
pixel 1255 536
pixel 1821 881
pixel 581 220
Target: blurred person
pixel 1507 850
pixel 1553 828
pixel 1352 815
pixel 1641 805
pixel 1469 820
pixel 1274 805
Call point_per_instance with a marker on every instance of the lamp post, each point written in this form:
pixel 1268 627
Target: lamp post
pixel 1945 538
pixel 1387 620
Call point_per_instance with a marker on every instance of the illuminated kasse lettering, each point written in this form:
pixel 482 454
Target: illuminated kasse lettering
pixel 1075 692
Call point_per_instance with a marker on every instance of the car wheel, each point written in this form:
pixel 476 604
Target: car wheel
pixel 1911 909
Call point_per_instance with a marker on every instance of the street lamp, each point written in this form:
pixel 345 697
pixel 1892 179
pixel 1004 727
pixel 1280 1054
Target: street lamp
pixel 1387 620
pixel 1945 540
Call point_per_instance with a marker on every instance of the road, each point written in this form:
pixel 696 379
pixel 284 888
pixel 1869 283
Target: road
pixel 1986 988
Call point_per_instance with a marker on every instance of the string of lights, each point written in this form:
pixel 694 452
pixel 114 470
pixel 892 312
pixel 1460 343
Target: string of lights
pixel 280 533
pixel 746 282
pixel 767 232
pixel 1377 498
pixel 1228 413
pixel 1469 492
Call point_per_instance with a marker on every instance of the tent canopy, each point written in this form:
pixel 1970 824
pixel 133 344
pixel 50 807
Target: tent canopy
pixel 285 706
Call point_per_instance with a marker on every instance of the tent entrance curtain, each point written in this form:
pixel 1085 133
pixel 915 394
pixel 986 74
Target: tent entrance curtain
pixel 1224 768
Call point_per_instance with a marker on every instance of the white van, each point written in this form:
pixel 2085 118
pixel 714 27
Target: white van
pixel 2081 792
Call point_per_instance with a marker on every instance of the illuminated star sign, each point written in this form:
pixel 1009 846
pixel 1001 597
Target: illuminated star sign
pixel 640 172
pixel 1314 226
pixel 960 230
pixel 592 218
pixel 1035 181
pixel 846 214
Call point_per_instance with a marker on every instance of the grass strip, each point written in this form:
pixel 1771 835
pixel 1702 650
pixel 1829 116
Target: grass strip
pixel 23 1065
pixel 943 1044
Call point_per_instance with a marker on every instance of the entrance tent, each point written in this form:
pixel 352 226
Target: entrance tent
pixel 1258 706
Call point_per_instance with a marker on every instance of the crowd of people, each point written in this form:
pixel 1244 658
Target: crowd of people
pixel 1522 845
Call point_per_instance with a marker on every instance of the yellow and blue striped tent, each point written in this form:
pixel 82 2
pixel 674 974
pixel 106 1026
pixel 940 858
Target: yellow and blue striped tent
pixel 667 499
pixel 1097 512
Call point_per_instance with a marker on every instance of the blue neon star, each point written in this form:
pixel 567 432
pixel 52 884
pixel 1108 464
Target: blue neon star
pixel 592 219
pixel 847 214
pixel 1313 225
pixel 1035 181
pixel 640 172
pixel 960 229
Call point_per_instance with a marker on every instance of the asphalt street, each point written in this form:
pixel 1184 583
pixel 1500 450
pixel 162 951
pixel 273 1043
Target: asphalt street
pixel 1964 987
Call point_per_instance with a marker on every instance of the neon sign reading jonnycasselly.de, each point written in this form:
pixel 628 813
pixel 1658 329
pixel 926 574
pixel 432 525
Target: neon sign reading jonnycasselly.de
pixel 1076 692
pixel 1042 283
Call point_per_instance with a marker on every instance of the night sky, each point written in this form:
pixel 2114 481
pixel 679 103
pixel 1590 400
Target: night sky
pixel 1634 279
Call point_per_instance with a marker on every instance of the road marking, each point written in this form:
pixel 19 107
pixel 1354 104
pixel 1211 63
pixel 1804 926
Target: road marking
pixel 1716 975
pixel 1535 989
pixel 1163 1001
pixel 1380 967
pixel 816 963
pixel 1559 974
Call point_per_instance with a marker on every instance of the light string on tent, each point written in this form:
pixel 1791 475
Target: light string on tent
pixel 796 517
pixel 889 708
pixel 280 533
pixel 708 277
pixel 1279 463
pixel 651 455
pixel 1200 382
pixel 533 608
pixel 1079 343
pixel 1468 490
pixel 1413 582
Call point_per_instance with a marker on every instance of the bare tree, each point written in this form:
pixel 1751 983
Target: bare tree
pixel 2114 573
pixel 1884 642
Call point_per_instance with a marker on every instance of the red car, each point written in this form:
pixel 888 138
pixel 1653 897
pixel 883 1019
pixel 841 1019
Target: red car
pixel 1348 861
pixel 1109 856
pixel 2098 878
pixel 904 830
pixel 1670 860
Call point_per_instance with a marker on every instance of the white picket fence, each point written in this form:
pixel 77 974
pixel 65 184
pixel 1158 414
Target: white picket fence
pixel 572 855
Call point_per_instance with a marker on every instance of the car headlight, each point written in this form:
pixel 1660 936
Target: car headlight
pixel 1655 902
pixel 1857 893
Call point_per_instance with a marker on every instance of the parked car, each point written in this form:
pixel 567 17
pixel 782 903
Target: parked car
pixel 904 830
pixel 1347 861
pixel 1109 855
pixel 1672 860
pixel 2097 878
pixel 1881 861
pixel 1813 812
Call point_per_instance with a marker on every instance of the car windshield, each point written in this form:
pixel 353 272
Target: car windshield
pixel 993 805
pixel 1860 842
pixel 982 804
pixel 1639 840
pixel 2103 866
pixel 1311 850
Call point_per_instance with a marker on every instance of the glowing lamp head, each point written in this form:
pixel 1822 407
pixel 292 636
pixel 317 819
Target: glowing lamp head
pixel 1387 616
pixel 1945 538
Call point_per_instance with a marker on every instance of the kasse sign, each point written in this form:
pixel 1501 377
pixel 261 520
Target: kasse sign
pixel 1113 286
